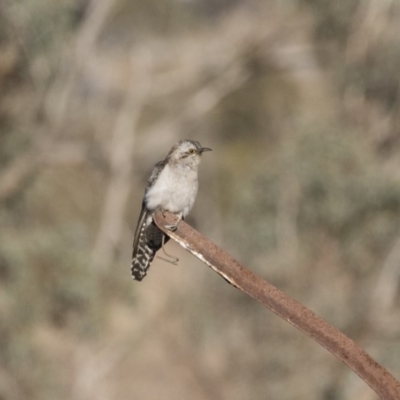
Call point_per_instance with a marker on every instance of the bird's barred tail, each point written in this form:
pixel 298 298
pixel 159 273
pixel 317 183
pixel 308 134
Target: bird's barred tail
pixel 142 254
pixel 148 239
pixel 141 263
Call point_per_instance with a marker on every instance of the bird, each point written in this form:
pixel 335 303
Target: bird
pixel 172 186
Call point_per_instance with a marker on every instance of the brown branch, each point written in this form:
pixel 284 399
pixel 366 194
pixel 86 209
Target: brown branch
pixel 377 377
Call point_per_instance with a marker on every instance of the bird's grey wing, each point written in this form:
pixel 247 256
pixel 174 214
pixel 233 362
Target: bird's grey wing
pixel 155 174
pixel 144 212
pixel 148 237
pixel 154 234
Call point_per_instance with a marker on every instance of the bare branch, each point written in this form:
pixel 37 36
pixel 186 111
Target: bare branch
pixel 377 377
pixel 200 103
pixel 23 167
pixel 385 292
pixel 17 174
pixel 121 158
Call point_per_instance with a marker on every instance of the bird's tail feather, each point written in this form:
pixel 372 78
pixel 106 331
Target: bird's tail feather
pixel 148 240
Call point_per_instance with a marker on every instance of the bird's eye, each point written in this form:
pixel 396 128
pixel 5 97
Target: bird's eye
pixel 192 151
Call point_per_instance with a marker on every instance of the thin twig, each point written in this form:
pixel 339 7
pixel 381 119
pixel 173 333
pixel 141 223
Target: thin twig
pixel 121 158
pixel 377 377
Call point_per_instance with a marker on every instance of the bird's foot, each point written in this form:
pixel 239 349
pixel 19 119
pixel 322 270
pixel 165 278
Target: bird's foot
pixel 172 227
pixel 171 259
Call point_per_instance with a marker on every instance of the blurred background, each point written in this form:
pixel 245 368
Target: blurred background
pixel 300 101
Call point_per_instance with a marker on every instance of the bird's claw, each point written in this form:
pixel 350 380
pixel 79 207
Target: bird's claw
pixel 172 227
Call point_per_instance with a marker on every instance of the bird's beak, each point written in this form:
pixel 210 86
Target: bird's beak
pixel 204 149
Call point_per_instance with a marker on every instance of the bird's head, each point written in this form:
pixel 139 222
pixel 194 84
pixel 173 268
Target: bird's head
pixel 187 152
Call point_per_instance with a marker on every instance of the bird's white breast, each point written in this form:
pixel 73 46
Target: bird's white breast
pixel 175 190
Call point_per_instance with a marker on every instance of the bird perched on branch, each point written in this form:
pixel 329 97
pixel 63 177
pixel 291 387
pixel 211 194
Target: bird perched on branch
pixel 172 187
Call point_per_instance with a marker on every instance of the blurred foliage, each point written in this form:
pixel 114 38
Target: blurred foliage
pixel 299 101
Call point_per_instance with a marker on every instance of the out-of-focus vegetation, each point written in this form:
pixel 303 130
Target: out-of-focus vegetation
pixel 300 101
